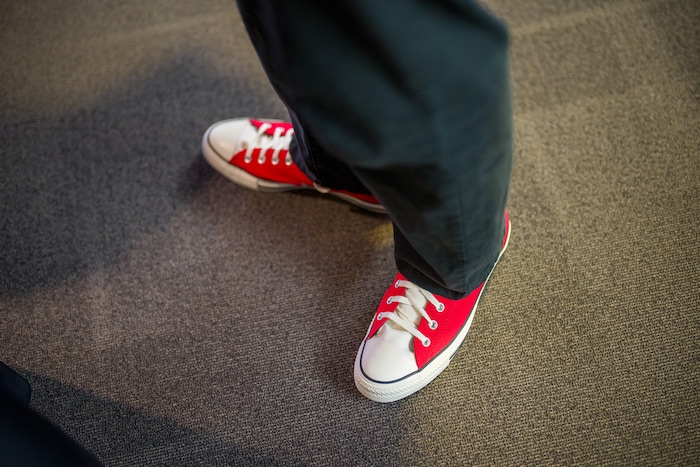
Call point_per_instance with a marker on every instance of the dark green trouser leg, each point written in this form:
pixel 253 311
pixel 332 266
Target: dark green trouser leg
pixel 411 100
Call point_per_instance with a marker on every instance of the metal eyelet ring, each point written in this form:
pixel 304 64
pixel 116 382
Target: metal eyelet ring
pixel 426 343
pixel 433 325
pixel 440 308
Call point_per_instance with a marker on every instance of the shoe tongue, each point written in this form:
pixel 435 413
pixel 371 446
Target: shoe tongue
pixel 409 312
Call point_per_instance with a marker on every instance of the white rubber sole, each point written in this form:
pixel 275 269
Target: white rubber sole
pixel 394 390
pixel 244 179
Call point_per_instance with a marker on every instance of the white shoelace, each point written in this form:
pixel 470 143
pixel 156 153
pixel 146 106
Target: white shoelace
pixel 409 312
pixel 278 141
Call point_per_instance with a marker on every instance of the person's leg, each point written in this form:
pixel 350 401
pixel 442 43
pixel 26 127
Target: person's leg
pixel 410 99
pixel 324 169
pixel 413 98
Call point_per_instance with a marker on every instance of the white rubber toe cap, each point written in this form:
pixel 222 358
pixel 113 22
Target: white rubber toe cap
pixel 388 356
pixel 224 137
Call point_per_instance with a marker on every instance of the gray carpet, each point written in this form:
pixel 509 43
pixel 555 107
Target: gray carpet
pixel 165 316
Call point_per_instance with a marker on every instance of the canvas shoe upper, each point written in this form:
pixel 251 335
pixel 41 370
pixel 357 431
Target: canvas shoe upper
pixel 412 338
pixel 255 154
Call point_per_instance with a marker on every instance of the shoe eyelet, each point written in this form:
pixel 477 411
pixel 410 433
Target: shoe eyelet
pixel 247 159
pixel 396 285
pixel 380 316
pixel 433 325
pixel 440 308
pixel 426 343
pixel 389 300
pixel 288 160
pixel 261 159
pixel 275 161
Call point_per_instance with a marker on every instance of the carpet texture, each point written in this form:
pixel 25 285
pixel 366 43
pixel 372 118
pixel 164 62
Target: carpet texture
pixel 165 316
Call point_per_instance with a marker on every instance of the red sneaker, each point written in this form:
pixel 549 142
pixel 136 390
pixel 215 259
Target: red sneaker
pixel 412 338
pixel 255 154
